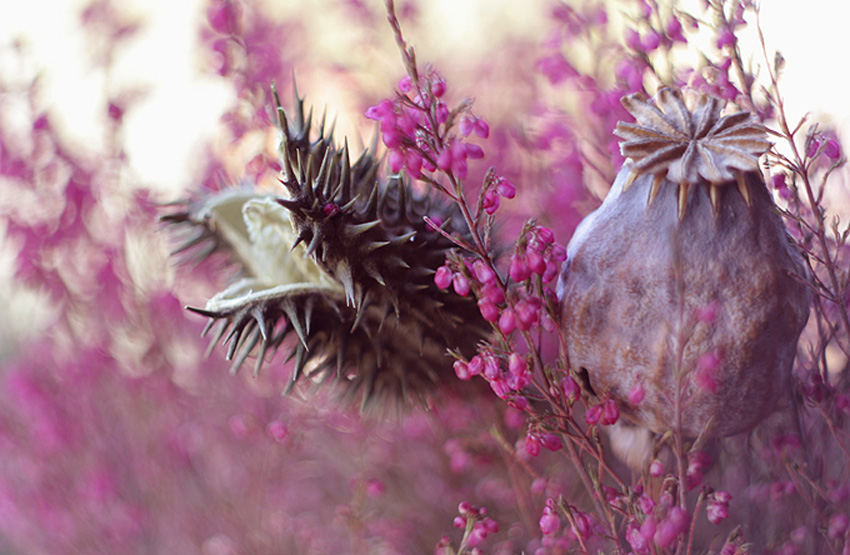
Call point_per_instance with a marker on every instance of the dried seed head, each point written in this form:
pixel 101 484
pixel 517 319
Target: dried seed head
pixel 343 265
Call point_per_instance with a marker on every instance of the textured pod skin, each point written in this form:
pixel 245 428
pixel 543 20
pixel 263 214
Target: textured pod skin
pixel 636 276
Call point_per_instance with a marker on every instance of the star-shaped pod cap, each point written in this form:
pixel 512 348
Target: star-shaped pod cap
pixel 690 148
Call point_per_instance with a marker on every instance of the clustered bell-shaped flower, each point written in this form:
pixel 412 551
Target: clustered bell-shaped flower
pixel 687 229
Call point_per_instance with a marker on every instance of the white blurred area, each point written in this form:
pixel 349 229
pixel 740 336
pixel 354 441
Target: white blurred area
pixel 182 105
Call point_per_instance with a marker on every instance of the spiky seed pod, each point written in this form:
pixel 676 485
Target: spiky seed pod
pixel 688 225
pixel 339 272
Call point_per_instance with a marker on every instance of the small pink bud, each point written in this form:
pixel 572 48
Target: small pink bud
pixel 593 414
pixel 481 128
pixel 444 159
pixel 443 277
pixel 459 522
pixel 536 263
pixel 505 188
pixel 460 284
pixel 517 364
pixel 636 394
pixel 489 311
pixel 405 85
pixel 462 370
pixel 519 270
pixel 610 413
pixel 493 293
pixel 490 202
pixel 438 87
pixel 551 442
pixel 507 321
pixel 549 522
pixel 464 508
pixel 571 388
pixel 832 150
pixel 483 272
pixel 656 468
pixel 532 445
pixel 277 430
pixel 396 160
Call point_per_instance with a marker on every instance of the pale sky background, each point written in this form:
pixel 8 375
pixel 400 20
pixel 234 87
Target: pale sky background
pixel 182 109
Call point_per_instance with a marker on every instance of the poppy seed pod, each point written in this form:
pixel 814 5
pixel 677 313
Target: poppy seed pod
pixel 684 284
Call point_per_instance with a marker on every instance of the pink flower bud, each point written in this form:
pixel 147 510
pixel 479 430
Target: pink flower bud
pixel 832 150
pixel 610 413
pixel 656 469
pixel 593 414
pixel 396 160
pixel 519 270
pixel 405 85
pixel 636 394
pixel 490 202
pixel 505 188
pixel 536 263
pixel 532 445
pixel 462 370
pixel 489 311
pixel 460 284
pixel 507 321
pixel 571 388
pixel 493 293
pixel 551 442
pixel 483 272
pixel 277 430
pixel 459 522
pixel 549 522
pixel 443 277
pixel 438 87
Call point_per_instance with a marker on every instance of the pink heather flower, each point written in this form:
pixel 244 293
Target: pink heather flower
pixel 549 522
pixel 462 370
pixel 396 160
pixel 637 541
pixel 707 366
pixel 636 394
pixel 571 389
pixel 633 40
pixel 493 293
pixel 438 87
pixel 460 284
pixel 465 508
pixel 551 442
pixel 507 321
pixel 375 488
pixel 443 277
pixel 381 111
pixel 726 38
pixel 832 149
pixel 483 272
pixel 413 162
pixel 489 311
pixel 838 524
pixel 444 159
pixel 674 30
pixel 545 235
pixel 527 313
pixel 459 522
pixel 532 444
pixel 500 387
pixel 646 505
pixel 671 527
pixel 491 202
pixel 593 414
pixel 610 413
pixel 556 68
pixel 519 270
pixel 405 85
pixel 777 181
pixel 505 188
pixel 651 41
pixel 656 468
pixel 442 113
pixel 717 512
pixel 277 430
pixel 491 367
pixel 517 364
pixel 224 17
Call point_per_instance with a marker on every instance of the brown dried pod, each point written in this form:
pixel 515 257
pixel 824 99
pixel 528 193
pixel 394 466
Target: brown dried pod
pixel 684 283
